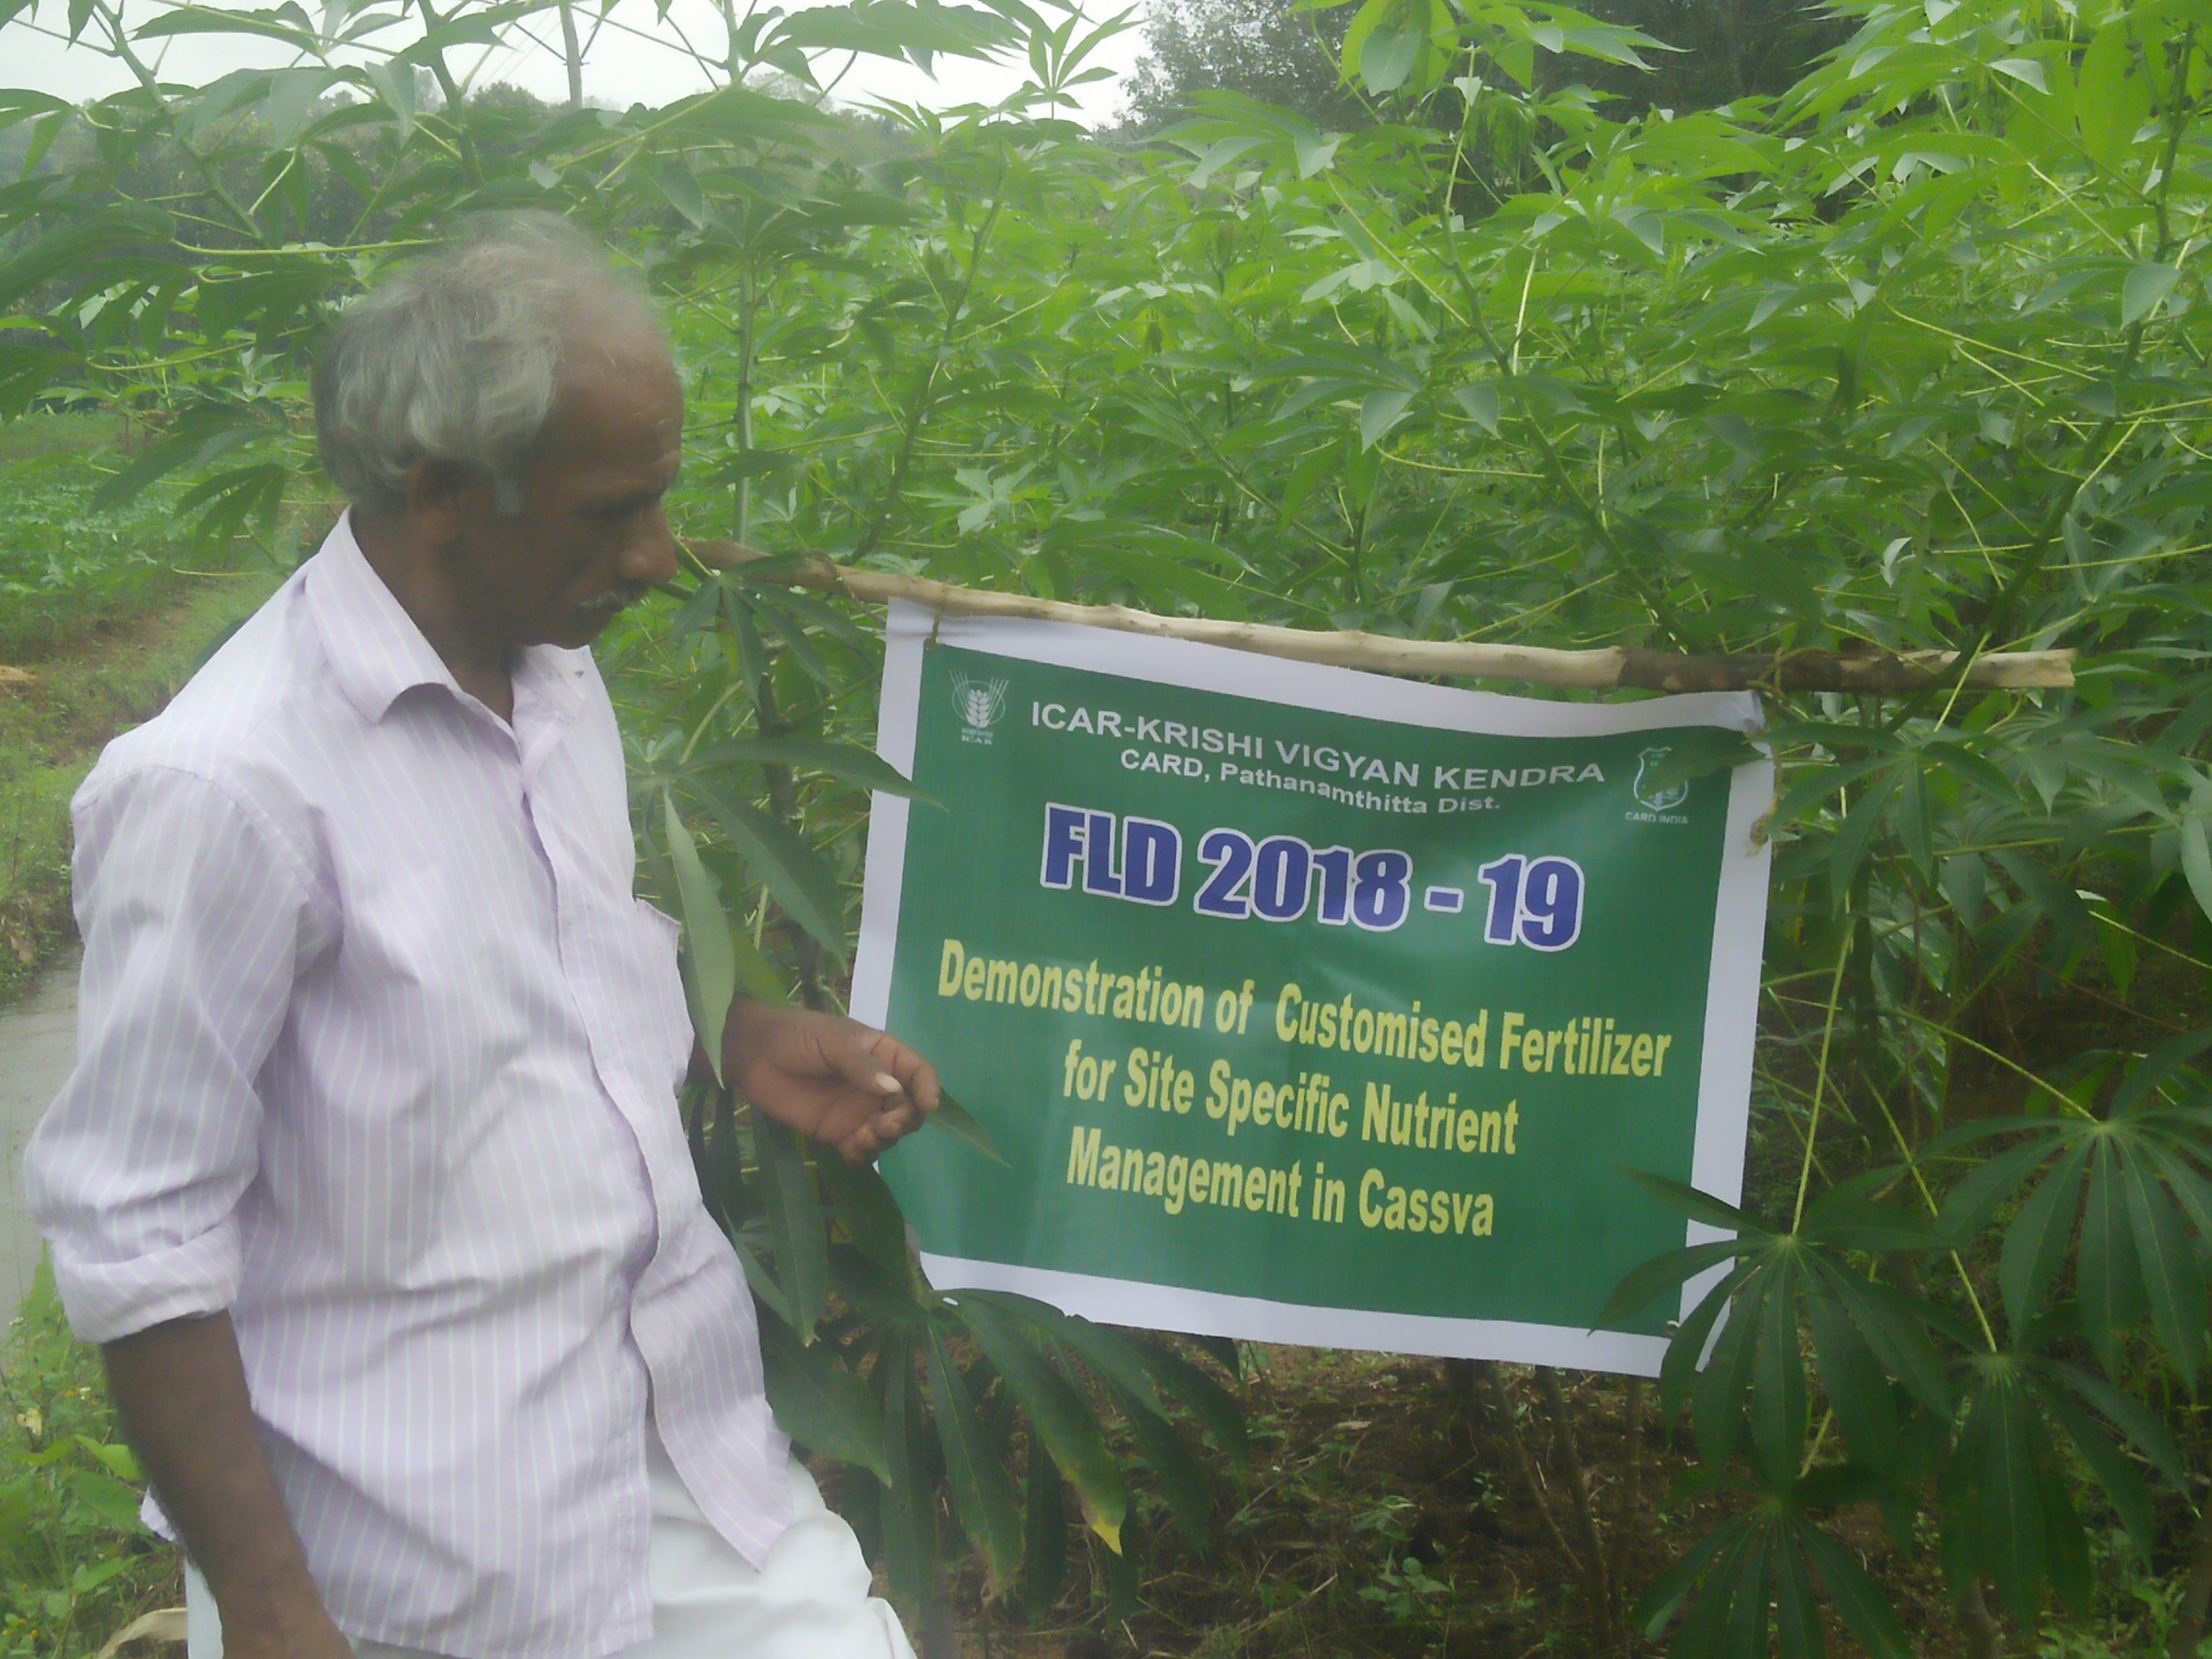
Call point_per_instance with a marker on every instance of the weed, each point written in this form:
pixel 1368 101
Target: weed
pixel 76 1563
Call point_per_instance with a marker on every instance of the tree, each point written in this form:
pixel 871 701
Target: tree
pixel 1270 50
pixel 1283 53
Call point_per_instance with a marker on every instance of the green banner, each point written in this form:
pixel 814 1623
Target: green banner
pixel 1308 1005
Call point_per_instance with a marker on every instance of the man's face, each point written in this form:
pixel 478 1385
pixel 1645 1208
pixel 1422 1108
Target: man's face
pixel 591 536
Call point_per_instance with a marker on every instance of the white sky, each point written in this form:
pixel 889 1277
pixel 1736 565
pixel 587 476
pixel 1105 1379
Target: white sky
pixel 633 59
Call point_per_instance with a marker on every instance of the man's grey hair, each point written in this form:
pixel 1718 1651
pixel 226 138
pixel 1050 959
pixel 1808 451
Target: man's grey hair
pixel 457 357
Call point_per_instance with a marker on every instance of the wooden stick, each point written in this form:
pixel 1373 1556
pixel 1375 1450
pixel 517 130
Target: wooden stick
pixel 1887 673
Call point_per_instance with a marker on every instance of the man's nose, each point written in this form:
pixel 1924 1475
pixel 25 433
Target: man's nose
pixel 649 555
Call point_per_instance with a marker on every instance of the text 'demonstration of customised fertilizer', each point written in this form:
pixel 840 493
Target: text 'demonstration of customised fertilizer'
pixel 1307 1005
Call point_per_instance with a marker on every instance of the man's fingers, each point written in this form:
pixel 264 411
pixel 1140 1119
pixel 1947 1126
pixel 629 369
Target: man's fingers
pixel 915 1075
pixel 851 1054
pixel 879 1133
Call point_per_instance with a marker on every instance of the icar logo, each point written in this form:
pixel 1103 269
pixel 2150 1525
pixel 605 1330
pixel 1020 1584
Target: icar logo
pixel 979 703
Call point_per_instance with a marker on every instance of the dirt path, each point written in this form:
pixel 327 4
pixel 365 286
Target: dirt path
pixel 54 719
pixel 38 1046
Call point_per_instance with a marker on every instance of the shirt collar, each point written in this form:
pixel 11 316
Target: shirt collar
pixel 376 651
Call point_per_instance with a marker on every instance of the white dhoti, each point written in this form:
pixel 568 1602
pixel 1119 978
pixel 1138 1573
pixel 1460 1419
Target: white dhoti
pixel 808 1599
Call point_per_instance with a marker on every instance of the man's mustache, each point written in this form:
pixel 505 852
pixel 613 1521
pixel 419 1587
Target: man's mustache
pixel 615 599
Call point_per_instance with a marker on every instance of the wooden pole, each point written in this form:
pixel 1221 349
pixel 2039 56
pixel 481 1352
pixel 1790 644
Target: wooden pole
pixel 1887 673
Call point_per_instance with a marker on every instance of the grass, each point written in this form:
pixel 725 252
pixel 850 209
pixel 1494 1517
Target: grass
pixel 102 619
pixel 64 563
pixel 75 1565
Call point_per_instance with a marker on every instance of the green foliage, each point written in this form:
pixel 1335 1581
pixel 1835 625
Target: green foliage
pixel 76 1565
pixel 66 561
pixel 51 730
pixel 855 1342
pixel 1912 354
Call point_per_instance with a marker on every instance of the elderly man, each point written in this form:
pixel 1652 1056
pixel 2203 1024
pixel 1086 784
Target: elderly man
pixel 370 1177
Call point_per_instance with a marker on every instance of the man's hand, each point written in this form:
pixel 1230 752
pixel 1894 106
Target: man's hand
pixel 181 1390
pixel 826 1076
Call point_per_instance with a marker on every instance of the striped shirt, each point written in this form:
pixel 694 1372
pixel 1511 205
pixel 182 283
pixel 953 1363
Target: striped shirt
pixel 378 1052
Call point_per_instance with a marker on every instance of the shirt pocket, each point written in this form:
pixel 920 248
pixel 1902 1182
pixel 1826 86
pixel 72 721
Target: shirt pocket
pixel 663 985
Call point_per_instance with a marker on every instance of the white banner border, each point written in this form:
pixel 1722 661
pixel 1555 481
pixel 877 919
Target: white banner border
pixel 1732 989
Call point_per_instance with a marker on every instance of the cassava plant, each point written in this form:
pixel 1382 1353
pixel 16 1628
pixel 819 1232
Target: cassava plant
pixel 1914 356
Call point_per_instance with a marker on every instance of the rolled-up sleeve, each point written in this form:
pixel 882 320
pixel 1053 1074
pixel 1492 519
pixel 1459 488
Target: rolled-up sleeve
pixel 193 916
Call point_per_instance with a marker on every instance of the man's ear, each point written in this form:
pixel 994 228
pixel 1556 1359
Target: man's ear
pixel 439 494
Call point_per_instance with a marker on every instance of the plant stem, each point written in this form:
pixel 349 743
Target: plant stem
pixel 1984 1640
pixel 1820 1079
pixel 573 51
pixel 471 163
pixel 1597 1579
pixel 1508 1428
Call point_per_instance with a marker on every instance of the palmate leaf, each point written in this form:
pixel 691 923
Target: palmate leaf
pixel 1201 1396
pixel 1113 1357
pixel 1717 1397
pixel 1044 1536
pixel 1057 1416
pixel 1699 1206
pixel 1858 1600
pixel 793 873
pixel 2035 1245
pixel 983 1492
pixel 1679 1371
pixel 909 1506
pixel 1864 1333
pixel 957 1121
pixel 847 762
pixel 2005 1506
pixel 1851 1376
pixel 797 1232
pixel 863 1206
pixel 2141 1210
pixel 1180 1477
pixel 1640 1286
pixel 710 979
pixel 1779 1406
pixel 817 1403
pixel 2173 1280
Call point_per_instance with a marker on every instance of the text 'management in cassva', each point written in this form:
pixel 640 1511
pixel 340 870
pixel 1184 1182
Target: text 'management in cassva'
pixel 1533 901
